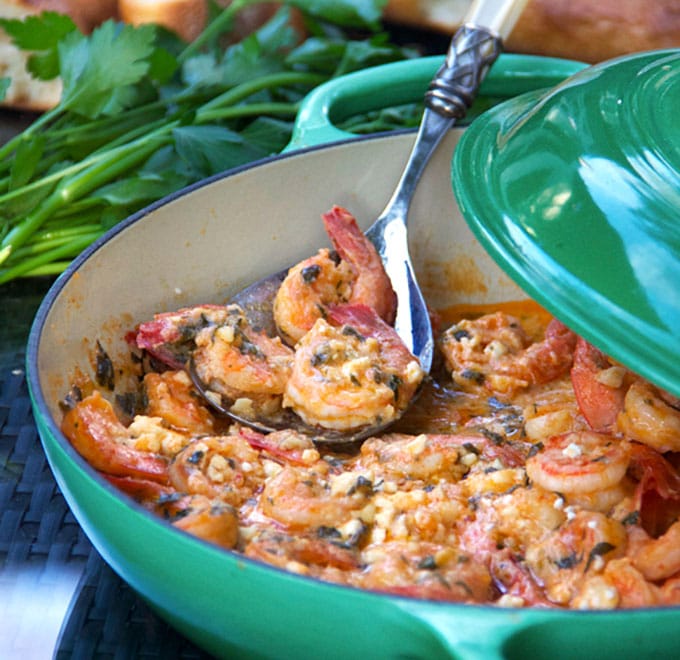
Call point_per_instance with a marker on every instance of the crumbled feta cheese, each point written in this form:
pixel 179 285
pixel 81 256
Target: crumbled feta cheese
pixel 351 528
pixel 310 456
pixel 243 407
pixel 611 377
pixel 597 564
pixel 345 482
pixel 226 333
pixel 507 600
pixel 414 372
pixel 213 397
pixel 495 349
pixel 271 468
pixel 572 450
pixel 417 445
pixel 218 469
pixel 390 487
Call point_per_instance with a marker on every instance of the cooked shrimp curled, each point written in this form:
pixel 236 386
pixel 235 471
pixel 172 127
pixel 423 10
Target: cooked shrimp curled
pixel 579 462
pixel 352 273
pixel 494 352
pixel 353 373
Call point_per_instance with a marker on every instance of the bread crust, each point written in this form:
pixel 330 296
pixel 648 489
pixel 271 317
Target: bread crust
pixel 585 30
pixel 25 92
pixel 185 17
pixel 596 30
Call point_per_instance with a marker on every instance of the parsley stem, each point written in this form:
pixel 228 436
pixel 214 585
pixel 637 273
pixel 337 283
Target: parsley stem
pixel 110 165
pixel 249 110
pixel 30 265
pixel 27 134
pixel 42 245
pixel 121 143
pixel 246 89
pixel 215 28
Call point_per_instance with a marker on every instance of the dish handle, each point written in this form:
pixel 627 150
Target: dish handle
pixel 469 633
pixel 497 633
pixel 406 82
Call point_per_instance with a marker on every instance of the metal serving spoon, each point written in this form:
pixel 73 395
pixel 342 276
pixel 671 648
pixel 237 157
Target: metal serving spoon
pixel 473 49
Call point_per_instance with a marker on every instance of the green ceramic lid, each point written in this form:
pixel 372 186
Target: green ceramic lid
pixel 575 193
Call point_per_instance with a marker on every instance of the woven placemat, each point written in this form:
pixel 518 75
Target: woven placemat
pixel 106 618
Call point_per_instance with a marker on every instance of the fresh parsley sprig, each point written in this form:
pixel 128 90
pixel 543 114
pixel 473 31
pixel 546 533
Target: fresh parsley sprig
pixel 143 114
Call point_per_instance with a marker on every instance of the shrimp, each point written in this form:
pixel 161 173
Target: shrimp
pixel 631 587
pixel 353 273
pixel 494 352
pixel 425 570
pixel 224 468
pixel 241 364
pixel 234 360
pixel 648 418
pixel 654 525
pixel 215 522
pixel 285 446
pixel 144 491
pixel 613 400
pixel 353 373
pixel 598 385
pixel 313 555
pixel 170 337
pixel 655 558
pixel 514 580
pixel 99 437
pixel 170 395
pixel 564 559
pixel 579 462
pixel 210 520
pixel 310 497
pixel 406 459
pixel 669 593
pixel 657 494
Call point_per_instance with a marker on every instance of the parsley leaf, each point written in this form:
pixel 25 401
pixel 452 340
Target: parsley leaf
pixel 352 13
pixel 98 72
pixel 40 35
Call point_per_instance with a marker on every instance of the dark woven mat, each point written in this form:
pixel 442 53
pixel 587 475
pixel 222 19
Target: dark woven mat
pixel 106 618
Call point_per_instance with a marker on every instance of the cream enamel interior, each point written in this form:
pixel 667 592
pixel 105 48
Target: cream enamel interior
pixel 204 245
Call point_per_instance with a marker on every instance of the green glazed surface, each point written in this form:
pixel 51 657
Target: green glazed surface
pixel 576 195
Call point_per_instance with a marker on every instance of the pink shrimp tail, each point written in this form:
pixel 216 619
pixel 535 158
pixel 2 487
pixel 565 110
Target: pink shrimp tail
pixel 599 403
pixel 373 286
pixel 365 320
pixel 362 317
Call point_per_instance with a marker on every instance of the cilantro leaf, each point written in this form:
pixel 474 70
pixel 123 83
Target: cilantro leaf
pixel 4 84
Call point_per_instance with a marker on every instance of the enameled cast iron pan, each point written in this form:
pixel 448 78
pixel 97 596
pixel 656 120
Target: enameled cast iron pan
pixel 207 242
